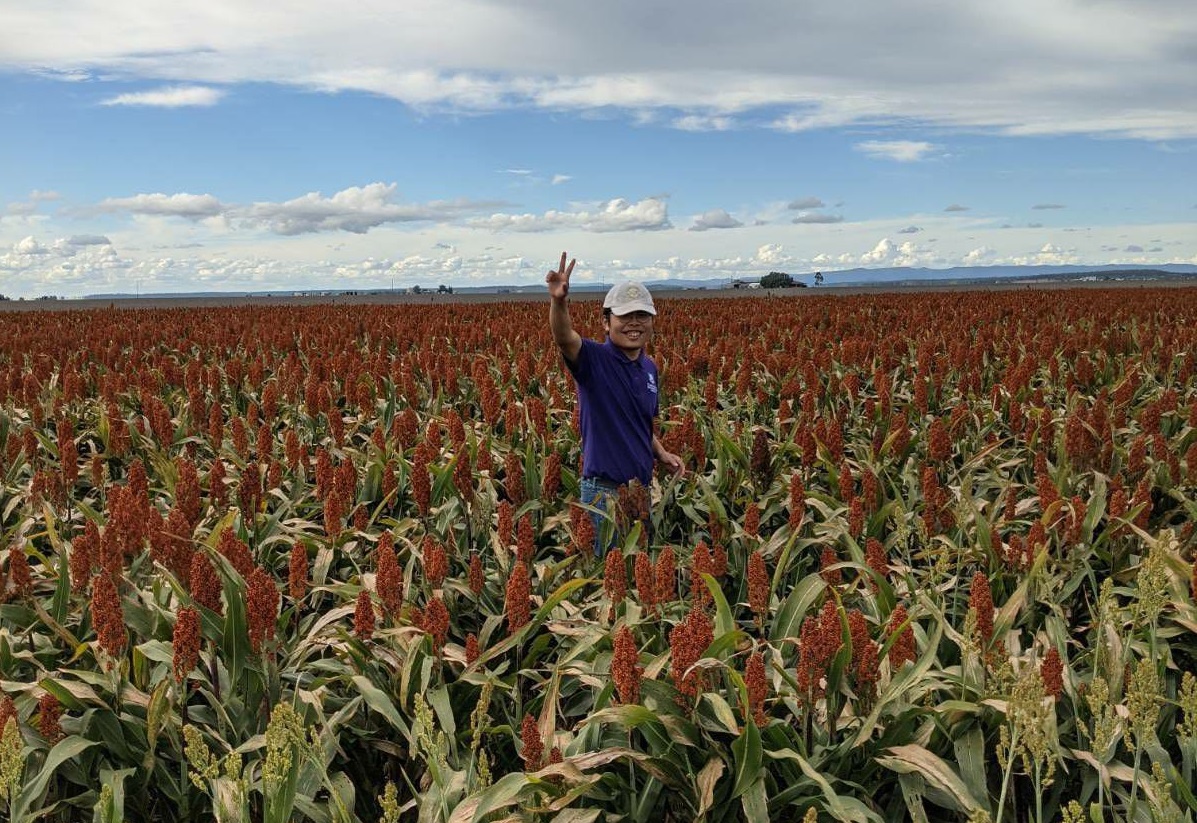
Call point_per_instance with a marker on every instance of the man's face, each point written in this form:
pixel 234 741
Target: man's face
pixel 630 332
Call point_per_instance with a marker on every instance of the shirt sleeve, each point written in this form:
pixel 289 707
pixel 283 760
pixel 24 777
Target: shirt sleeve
pixel 581 368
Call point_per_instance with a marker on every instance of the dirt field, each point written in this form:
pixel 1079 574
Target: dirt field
pixel 387 298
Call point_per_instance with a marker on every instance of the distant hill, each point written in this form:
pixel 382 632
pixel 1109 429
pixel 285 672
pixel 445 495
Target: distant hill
pixel 831 279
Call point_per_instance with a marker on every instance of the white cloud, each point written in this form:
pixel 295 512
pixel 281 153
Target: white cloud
pixel 558 179
pixel 805 203
pixel 356 209
pixel 904 151
pixel 169 97
pixel 979 256
pixel 29 247
pixel 190 206
pixel 770 254
pixel 814 217
pixel 715 219
pixel 649 214
pixel 956 207
pixel 1026 67
pixel 88 240
pixel 703 122
pixel 883 252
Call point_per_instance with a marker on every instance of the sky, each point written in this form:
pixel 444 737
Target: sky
pixel 235 145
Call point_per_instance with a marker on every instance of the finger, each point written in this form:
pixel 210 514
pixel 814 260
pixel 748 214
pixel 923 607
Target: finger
pixel 562 266
pixel 570 270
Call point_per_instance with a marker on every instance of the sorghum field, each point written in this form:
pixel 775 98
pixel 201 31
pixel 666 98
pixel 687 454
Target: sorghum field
pixel 932 560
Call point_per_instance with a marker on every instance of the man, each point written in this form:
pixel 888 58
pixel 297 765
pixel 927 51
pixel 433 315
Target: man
pixel 617 391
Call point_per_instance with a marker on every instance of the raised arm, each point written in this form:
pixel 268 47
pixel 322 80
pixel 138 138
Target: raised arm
pixel 568 340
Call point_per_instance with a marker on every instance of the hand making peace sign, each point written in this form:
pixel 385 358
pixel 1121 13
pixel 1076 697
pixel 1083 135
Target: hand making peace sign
pixel 559 280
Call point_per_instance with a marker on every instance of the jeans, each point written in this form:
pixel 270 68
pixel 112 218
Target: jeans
pixel 600 494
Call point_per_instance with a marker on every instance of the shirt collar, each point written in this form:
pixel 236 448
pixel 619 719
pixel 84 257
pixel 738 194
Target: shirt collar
pixel 611 347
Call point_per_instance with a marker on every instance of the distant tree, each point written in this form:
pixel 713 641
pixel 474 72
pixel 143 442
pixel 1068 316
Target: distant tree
pixel 443 289
pixel 818 278
pixel 777 280
pixel 416 289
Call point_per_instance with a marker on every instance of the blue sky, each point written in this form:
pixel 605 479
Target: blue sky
pixel 244 146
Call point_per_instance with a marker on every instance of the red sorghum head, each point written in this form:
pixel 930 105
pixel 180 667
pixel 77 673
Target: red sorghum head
pixel 186 643
pixel 436 562
pixel 688 641
pixel 517 602
pixel 827 559
pixel 1052 672
pixel 513 478
pixel 477 576
pixel 980 599
pixel 902 649
pixel 665 576
pixel 261 606
pixel 506 523
pixel 752 519
pixel 757 686
pixel 525 539
pixel 797 502
pixel 625 668
pixel 49 718
pixel 471 649
pixel 876 559
pixel 436 622
pixel 236 552
pixel 533 748
pixel 107 616
pixel 297 571
pixel 84 553
pixel 363 616
pixel 615 576
pixel 388 576
pixel 205 583
pixel 758 587
pixel 19 571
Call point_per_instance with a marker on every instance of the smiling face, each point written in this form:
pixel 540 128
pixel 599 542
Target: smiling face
pixel 630 332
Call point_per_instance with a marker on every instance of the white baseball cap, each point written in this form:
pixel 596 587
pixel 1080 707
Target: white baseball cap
pixel 625 298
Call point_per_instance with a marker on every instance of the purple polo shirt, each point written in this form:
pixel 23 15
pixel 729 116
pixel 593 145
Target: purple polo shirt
pixel 618 400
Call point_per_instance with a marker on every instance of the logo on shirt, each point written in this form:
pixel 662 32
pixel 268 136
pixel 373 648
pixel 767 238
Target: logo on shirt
pixel 652 382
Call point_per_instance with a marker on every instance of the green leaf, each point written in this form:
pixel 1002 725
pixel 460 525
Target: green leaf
pixel 722 711
pixel 970 754
pixel 944 786
pixel 235 642
pixel 724 622
pixel 755 801
pixel 503 793
pixel 847 809
pixel 115 813
pixel 747 755
pixel 35 787
pixel 787 621
pixel 377 700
